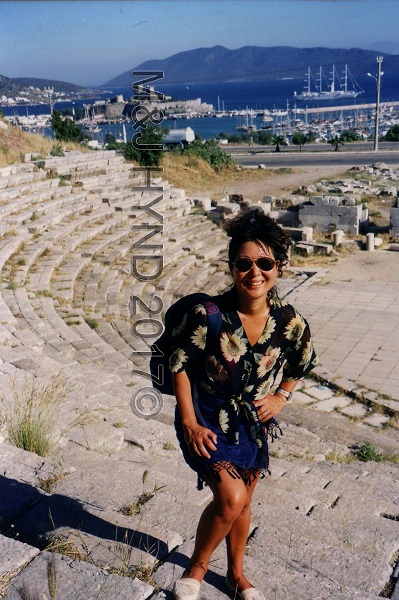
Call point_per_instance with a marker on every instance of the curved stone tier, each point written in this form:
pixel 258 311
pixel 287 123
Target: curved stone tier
pixel 122 498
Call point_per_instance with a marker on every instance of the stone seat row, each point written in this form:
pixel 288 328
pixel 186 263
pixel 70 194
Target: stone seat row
pixel 75 158
pixel 49 334
pixel 34 189
pixel 20 179
pixel 53 245
pixel 111 181
pixel 66 279
pixel 78 167
pixel 16 169
pixel 46 215
pixel 89 289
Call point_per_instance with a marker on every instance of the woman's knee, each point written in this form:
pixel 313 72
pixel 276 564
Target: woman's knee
pixel 231 503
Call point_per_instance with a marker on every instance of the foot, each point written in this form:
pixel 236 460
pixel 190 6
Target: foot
pixel 186 589
pixel 242 588
pixel 195 571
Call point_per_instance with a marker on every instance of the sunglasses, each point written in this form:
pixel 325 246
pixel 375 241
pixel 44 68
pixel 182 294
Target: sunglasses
pixel 245 264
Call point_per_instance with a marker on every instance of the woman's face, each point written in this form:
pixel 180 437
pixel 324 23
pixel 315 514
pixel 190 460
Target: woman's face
pixel 255 283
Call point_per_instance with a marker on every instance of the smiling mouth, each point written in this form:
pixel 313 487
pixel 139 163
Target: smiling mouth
pixel 254 284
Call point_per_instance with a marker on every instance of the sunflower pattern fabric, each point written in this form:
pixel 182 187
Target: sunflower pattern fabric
pixel 234 374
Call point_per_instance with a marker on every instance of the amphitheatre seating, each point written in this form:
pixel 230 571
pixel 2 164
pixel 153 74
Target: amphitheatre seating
pixel 73 262
pixel 70 311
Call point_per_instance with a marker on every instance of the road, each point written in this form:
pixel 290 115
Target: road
pixel 359 154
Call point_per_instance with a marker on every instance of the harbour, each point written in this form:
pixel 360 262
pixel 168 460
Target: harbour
pixel 251 106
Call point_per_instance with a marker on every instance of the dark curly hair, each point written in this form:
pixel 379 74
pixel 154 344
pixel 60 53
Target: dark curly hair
pixel 253 225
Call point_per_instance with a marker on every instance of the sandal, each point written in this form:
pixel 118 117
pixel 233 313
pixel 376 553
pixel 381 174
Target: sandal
pixel 249 594
pixel 186 589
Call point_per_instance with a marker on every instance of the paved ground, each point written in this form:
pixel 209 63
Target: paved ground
pixel 354 316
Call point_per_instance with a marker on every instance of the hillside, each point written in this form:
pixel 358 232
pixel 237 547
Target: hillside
pixel 14 143
pixel 254 63
pixel 58 86
pixel 19 86
pixel 9 87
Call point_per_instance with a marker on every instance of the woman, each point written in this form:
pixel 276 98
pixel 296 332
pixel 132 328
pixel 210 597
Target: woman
pixel 224 437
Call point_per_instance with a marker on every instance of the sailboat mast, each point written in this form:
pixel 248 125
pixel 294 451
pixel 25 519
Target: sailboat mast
pixel 332 86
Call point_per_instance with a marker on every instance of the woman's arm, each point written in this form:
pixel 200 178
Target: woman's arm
pixel 198 439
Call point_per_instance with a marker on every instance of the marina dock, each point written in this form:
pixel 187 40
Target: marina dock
pixel 348 107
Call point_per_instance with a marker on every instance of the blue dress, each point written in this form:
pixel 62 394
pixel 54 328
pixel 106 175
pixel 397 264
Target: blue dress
pixel 232 374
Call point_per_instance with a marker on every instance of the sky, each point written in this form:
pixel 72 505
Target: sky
pixel 90 42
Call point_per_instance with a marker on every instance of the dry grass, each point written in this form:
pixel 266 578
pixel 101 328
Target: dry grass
pixel 14 142
pixel 190 173
pixel 194 174
pixel 31 412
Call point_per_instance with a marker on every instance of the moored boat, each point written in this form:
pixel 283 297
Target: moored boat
pixel 334 91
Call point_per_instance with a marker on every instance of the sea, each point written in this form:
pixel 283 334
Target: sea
pixel 255 95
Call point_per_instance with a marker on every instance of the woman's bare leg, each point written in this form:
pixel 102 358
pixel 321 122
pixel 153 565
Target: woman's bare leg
pixel 237 540
pixel 229 498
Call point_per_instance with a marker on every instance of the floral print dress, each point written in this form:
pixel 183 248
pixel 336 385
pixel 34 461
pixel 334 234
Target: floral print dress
pixel 231 374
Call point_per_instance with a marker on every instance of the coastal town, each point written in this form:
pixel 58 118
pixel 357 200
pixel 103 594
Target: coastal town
pixel 325 122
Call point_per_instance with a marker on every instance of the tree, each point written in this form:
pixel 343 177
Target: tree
pixel 299 139
pixel 263 137
pixel 210 152
pixel 109 138
pixel 76 113
pixel 311 136
pixel 146 156
pixel 278 140
pixel 392 134
pixel 350 135
pixel 336 141
pixel 65 130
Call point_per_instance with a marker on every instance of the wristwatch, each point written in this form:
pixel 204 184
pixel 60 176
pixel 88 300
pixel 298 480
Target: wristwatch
pixel 284 393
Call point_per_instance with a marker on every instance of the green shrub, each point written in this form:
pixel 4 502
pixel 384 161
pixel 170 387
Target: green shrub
pixel 91 322
pixel 142 152
pixel 210 152
pixel 367 453
pixel 57 150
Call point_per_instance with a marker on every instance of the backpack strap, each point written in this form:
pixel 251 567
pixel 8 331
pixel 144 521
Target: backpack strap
pixel 214 323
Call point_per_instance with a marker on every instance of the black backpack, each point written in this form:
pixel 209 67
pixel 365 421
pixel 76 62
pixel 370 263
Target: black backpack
pixel 159 361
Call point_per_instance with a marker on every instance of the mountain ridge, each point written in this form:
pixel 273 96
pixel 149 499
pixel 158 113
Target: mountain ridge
pixel 253 63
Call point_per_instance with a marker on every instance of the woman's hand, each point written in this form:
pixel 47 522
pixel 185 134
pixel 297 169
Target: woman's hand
pixel 199 440
pixel 269 406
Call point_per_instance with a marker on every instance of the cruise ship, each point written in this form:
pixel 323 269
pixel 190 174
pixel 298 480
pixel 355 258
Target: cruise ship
pixel 333 91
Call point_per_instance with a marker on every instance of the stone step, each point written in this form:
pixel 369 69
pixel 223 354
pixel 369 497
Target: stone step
pixel 28 191
pixel 19 179
pixel 111 181
pixel 14 557
pixel 42 249
pixel 75 579
pixel 16 169
pixel 75 157
pixel 11 244
pixel 54 345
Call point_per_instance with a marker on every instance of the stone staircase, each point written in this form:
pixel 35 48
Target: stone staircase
pixel 112 512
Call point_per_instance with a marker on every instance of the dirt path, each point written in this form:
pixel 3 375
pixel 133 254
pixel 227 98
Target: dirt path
pixel 253 184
